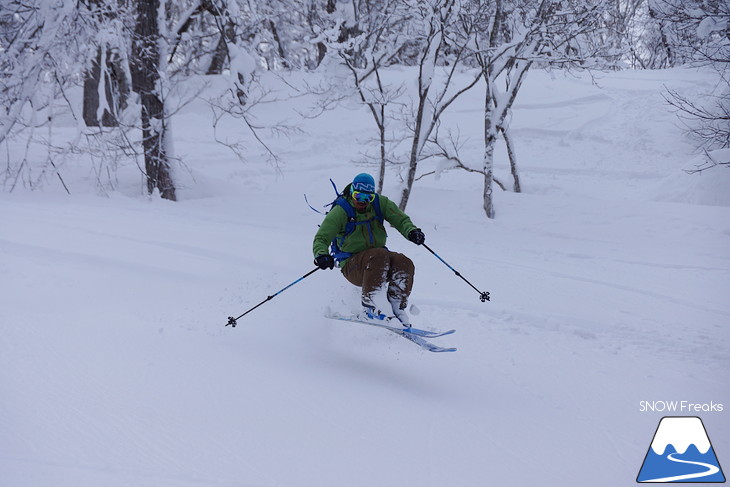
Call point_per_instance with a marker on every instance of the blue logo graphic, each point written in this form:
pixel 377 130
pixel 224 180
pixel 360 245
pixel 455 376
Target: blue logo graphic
pixel 680 452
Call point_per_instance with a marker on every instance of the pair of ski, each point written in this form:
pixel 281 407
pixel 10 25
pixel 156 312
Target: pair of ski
pixel 415 335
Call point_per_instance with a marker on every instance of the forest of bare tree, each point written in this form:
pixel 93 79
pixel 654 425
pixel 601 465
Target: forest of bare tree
pixel 127 54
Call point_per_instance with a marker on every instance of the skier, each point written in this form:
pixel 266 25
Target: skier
pixel 355 232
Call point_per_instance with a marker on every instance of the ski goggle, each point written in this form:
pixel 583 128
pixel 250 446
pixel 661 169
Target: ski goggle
pixel 363 197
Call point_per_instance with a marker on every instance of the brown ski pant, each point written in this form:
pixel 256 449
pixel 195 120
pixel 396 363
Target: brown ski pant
pixel 372 269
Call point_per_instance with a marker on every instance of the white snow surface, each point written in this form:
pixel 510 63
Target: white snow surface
pixel 608 276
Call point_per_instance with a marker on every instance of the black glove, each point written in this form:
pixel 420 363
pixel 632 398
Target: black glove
pixel 416 236
pixel 324 261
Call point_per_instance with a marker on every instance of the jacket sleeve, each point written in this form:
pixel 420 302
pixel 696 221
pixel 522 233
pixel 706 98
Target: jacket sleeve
pixel 332 224
pixel 396 217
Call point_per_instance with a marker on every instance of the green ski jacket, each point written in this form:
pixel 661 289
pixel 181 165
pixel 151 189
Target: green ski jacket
pixel 362 238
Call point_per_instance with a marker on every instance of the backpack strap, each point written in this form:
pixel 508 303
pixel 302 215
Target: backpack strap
pixel 351 216
pixel 331 205
pixel 376 207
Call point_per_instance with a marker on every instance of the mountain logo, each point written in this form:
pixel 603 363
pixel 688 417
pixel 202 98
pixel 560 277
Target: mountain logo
pixel 680 452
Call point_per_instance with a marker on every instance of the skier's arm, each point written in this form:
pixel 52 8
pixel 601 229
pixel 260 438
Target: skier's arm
pixel 332 224
pixel 396 217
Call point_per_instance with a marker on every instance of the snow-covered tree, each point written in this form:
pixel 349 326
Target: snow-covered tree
pixel 43 48
pixel 38 40
pixel 435 22
pixel 366 40
pixel 50 47
pixel 106 82
pixel 707 28
pixel 147 68
pixel 511 37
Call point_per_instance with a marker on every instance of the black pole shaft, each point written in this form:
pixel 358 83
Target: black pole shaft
pixel 483 295
pixel 232 320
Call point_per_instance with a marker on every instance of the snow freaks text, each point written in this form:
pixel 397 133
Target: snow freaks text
pixel 680 407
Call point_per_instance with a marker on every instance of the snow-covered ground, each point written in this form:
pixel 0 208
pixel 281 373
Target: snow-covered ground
pixel 609 279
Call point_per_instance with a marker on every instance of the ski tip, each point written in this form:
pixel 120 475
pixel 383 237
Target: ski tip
pixel 444 350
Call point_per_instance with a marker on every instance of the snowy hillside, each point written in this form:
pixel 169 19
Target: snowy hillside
pixel 608 277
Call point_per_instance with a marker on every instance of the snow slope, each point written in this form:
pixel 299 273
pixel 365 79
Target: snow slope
pixel 608 281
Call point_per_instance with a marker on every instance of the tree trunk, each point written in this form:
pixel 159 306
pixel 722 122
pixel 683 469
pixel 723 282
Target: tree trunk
pixel 313 20
pixel 146 82
pixel 91 93
pixel 381 128
pixel 666 45
pixel 113 82
pixel 427 64
pixel 219 57
pixel 279 46
pixel 517 187
pixel 105 84
pixel 490 138
pixel 415 151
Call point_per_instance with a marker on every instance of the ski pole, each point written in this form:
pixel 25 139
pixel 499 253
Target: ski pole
pixel 233 321
pixel 483 295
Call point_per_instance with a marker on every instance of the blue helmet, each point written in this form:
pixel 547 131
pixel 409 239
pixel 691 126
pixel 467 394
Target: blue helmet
pixel 363 182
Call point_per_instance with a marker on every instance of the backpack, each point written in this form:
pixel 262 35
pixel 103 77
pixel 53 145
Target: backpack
pixel 351 224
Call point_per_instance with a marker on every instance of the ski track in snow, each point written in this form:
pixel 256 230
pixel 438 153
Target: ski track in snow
pixel 116 368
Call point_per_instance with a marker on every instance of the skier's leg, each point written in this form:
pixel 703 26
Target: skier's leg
pixel 369 270
pixel 400 283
